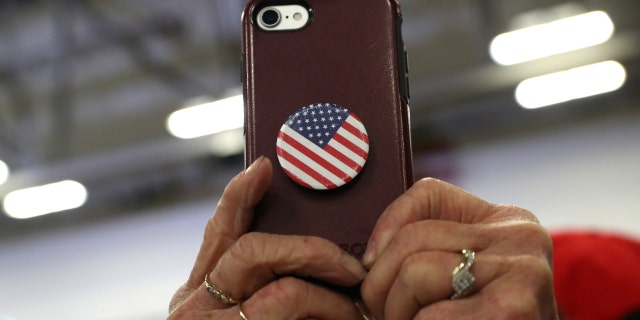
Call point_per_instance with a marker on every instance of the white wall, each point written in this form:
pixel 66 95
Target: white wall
pixel 120 270
pixel 586 177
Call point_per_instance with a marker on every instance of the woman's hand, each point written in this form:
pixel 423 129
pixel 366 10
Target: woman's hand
pixel 417 243
pixel 264 272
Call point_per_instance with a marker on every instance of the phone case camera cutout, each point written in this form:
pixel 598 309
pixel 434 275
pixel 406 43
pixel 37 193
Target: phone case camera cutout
pixel 282 15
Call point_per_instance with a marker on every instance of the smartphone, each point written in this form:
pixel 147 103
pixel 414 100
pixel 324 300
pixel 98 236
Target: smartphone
pixel 326 99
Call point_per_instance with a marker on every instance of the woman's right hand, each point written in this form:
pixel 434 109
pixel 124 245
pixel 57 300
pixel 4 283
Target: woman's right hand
pixel 264 272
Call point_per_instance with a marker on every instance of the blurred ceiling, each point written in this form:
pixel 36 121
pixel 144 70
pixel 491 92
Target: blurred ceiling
pixel 86 86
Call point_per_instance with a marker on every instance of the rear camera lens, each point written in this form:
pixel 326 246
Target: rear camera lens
pixel 270 17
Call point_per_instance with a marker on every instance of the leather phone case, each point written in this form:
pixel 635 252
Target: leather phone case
pixel 350 54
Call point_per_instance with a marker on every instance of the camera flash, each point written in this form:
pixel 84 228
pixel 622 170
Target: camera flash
pixel 297 16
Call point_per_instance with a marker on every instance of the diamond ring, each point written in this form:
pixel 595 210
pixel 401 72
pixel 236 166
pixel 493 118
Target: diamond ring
pixel 462 277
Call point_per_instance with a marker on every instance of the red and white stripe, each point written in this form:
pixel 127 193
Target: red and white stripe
pixel 324 168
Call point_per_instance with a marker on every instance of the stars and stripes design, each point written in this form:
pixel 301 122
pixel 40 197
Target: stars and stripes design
pixel 322 146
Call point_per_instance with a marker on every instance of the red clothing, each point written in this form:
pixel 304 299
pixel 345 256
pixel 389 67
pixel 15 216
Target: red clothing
pixel 596 276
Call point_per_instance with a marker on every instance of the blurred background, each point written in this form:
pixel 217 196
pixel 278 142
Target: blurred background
pixel 87 88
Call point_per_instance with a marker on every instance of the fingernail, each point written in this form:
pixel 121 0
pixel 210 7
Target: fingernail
pixel 369 255
pixel 376 247
pixel 353 266
pixel 256 164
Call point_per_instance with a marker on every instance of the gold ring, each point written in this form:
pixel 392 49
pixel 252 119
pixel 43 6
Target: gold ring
pixel 364 312
pixel 241 313
pixel 217 293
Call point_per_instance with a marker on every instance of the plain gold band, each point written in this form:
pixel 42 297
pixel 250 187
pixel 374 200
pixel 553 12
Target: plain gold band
pixel 241 313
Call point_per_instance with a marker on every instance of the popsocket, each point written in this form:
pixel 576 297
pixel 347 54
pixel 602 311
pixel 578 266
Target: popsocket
pixel 322 146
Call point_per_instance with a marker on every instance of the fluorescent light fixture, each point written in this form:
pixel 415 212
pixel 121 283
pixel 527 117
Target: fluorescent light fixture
pixel 207 118
pixel 4 172
pixel 564 35
pixel 570 84
pixel 45 199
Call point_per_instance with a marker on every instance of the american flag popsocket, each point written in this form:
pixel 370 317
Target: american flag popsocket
pixel 322 146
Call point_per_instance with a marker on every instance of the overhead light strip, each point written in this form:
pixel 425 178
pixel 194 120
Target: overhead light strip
pixel 564 35
pixel 571 84
pixel 208 118
pixel 45 199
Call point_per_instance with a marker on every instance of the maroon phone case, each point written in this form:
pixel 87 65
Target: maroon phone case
pixel 350 54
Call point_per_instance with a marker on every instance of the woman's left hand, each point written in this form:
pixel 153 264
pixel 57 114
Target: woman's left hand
pixel 418 241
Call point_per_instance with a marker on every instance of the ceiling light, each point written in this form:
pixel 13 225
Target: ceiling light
pixel 4 172
pixel 45 199
pixel 564 35
pixel 208 118
pixel 570 84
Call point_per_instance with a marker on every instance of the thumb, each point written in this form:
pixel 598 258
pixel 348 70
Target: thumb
pixel 232 216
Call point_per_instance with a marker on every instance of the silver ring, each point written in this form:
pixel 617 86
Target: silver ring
pixel 241 313
pixel 217 293
pixel 462 277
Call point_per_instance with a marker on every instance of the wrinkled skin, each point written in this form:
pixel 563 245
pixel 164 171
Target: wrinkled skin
pixel 407 267
pixel 264 270
pixel 417 243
